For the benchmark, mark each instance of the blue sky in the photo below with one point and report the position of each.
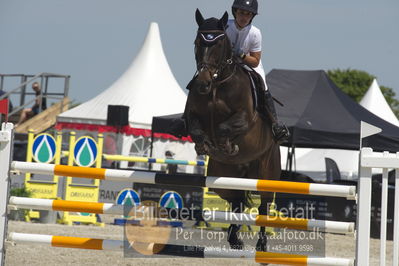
(95, 41)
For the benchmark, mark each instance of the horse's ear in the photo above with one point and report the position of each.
(224, 19)
(198, 17)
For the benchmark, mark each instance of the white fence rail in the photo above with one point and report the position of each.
(368, 160)
(386, 161)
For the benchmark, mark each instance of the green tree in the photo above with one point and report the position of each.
(355, 83)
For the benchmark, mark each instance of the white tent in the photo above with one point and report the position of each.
(148, 87)
(312, 161)
(375, 102)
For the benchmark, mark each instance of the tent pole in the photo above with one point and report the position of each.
(291, 158)
(290, 162)
(294, 158)
(151, 147)
(287, 163)
(119, 145)
(292, 154)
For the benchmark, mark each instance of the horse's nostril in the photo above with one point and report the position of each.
(204, 89)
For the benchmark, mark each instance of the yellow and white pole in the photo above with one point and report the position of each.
(210, 216)
(181, 251)
(200, 181)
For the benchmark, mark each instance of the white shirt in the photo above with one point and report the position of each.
(248, 39)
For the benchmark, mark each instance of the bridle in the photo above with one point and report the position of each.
(209, 38)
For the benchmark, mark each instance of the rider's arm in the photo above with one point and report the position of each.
(252, 59)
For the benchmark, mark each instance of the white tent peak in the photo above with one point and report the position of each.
(375, 102)
(148, 87)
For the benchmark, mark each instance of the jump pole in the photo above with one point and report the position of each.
(210, 216)
(176, 250)
(188, 180)
(136, 159)
(6, 142)
(152, 160)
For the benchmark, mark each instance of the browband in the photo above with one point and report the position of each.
(210, 37)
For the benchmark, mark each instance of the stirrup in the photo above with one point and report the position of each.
(280, 132)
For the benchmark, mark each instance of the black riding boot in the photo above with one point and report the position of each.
(280, 131)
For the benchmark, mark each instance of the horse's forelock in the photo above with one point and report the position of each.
(210, 24)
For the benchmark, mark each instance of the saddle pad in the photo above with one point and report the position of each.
(256, 83)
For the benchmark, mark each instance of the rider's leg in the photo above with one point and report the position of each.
(280, 131)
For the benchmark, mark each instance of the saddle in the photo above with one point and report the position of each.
(257, 85)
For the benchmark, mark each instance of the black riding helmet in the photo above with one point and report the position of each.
(248, 5)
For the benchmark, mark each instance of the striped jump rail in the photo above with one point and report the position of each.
(348, 192)
(136, 159)
(152, 160)
(211, 216)
(176, 250)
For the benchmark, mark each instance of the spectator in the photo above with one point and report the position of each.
(31, 112)
(170, 168)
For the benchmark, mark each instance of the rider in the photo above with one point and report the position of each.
(246, 40)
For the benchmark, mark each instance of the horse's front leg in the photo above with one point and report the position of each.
(229, 129)
(232, 233)
(198, 135)
(266, 200)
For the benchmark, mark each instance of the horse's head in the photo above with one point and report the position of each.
(212, 50)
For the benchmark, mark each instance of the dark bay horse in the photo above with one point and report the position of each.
(223, 122)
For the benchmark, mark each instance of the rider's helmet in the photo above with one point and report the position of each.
(248, 5)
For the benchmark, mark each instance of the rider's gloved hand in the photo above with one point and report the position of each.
(240, 54)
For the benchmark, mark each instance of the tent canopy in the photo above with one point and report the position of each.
(313, 160)
(160, 124)
(320, 115)
(148, 87)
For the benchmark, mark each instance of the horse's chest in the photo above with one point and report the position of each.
(216, 108)
(219, 106)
